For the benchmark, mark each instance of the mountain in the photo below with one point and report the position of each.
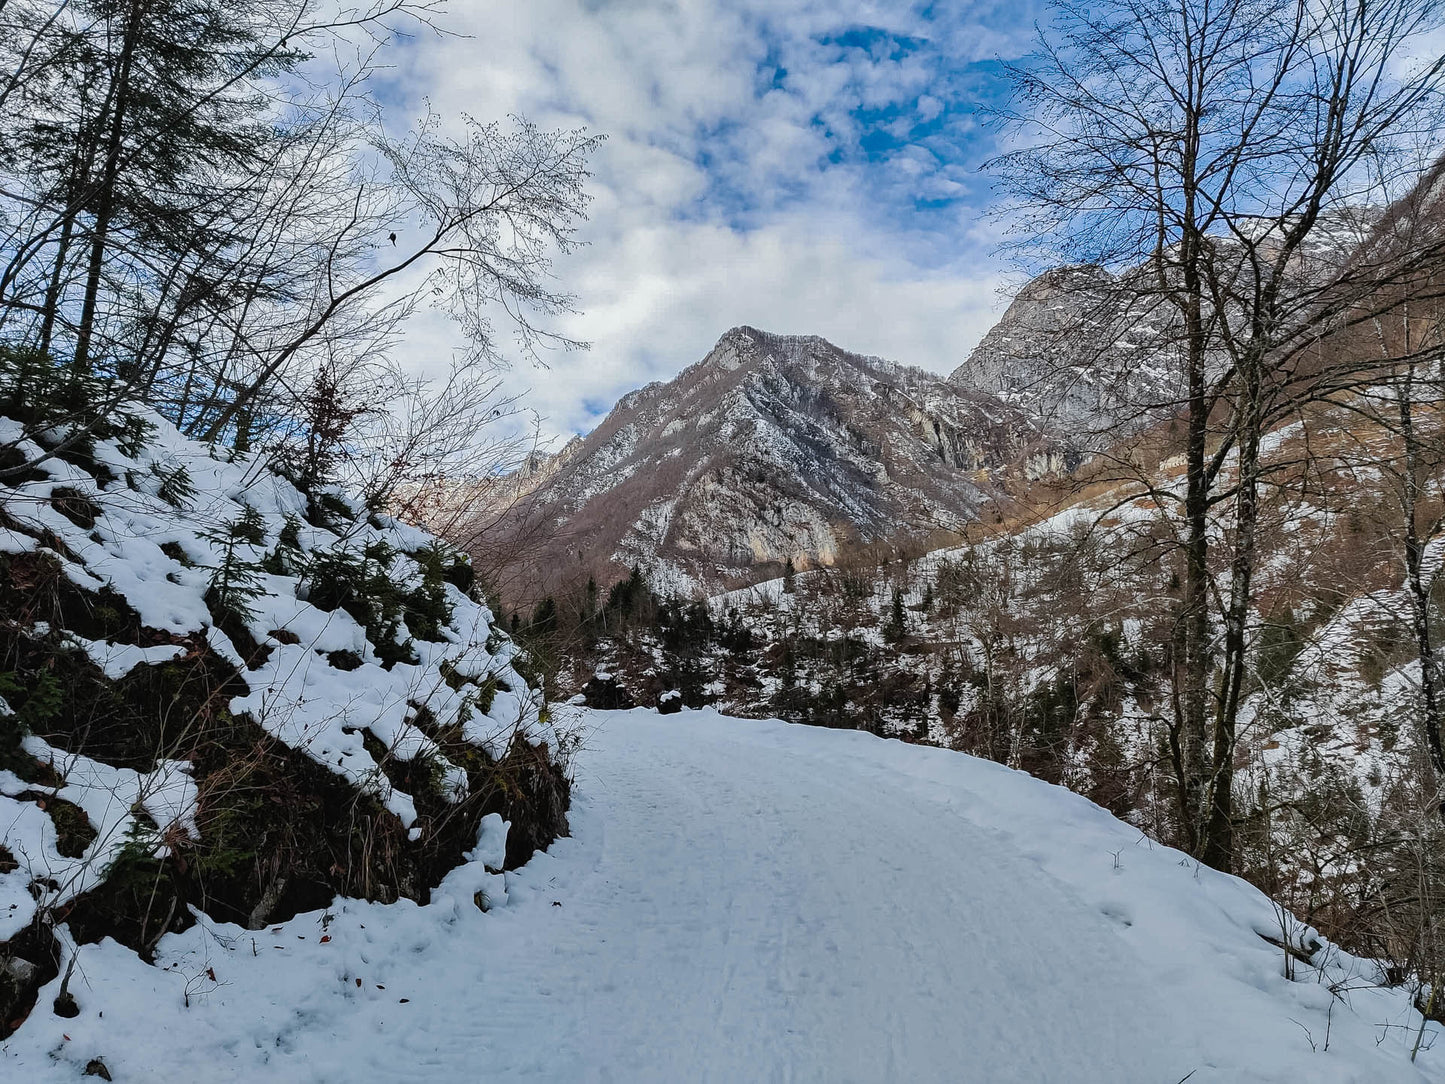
(1080, 352)
(771, 449)
(1090, 354)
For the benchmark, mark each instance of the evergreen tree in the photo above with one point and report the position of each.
(895, 629)
(544, 618)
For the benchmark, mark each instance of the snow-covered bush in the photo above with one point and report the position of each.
(224, 695)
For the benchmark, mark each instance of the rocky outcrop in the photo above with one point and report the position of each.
(1079, 350)
(771, 449)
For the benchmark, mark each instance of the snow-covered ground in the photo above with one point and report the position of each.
(757, 901)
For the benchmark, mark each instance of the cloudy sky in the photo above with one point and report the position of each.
(804, 166)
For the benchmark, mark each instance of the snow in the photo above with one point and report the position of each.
(295, 693)
(749, 900)
(109, 796)
(118, 660)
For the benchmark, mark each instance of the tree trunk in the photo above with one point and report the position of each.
(1419, 590)
(1217, 846)
(105, 208)
(1194, 615)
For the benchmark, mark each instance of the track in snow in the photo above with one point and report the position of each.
(749, 901)
(746, 916)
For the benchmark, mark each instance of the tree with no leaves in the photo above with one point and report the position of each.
(1226, 156)
(202, 208)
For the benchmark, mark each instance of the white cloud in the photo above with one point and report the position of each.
(711, 208)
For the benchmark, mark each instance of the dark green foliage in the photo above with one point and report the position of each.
(250, 527)
(684, 627)
(630, 599)
(1280, 642)
(285, 559)
(689, 679)
(895, 629)
(950, 693)
(35, 700)
(362, 586)
(176, 487)
(236, 581)
(290, 536)
(36, 392)
(460, 573)
(329, 511)
(133, 435)
(735, 635)
(544, 618)
(334, 578)
(427, 608)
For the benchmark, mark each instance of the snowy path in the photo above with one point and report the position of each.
(749, 917)
(749, 901)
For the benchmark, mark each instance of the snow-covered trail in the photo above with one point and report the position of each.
(755, 901)
(748, 916)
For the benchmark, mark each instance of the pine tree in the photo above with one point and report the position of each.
(895, 630)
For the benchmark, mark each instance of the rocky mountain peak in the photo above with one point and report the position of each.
(771, 448)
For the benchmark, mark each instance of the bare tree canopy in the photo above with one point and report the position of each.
(1230, 159)
(201, 206)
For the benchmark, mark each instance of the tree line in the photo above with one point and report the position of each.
(203, 208)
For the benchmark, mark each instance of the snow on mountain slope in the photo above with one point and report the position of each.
(758, 901)
(771, 448)
(1092, 354)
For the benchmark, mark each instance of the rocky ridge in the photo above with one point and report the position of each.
(772, 449)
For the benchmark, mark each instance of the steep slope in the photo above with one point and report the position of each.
(756, 901)
(226, 697)
(1092, 354)
(1076, 352)
(772, 448)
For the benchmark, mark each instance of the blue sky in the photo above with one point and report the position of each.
(798, 165)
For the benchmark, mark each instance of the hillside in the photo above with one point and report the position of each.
(227, 699)
(1044, 644)
(1079, 354)
(748, 899)
(771, 449)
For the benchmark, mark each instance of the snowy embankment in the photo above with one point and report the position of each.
(228, 694)
(757, 901)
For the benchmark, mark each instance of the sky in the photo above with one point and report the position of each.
(802, 166)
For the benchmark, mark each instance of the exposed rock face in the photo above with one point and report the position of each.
(772, 448)
(1079, 351)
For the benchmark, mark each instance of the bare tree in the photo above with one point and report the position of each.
(201, 208)
(1221, 153)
